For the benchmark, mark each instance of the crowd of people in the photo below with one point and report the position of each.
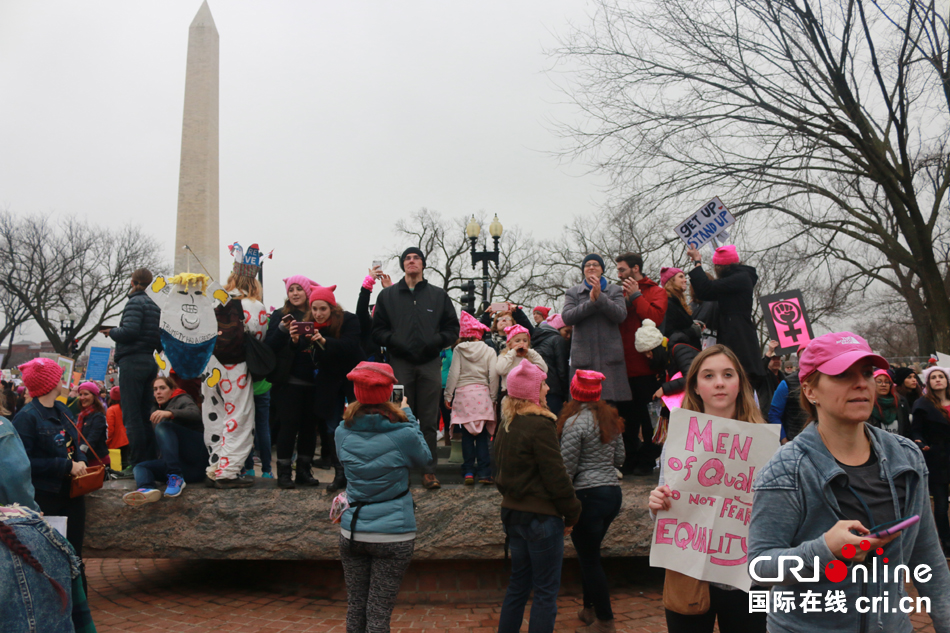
(553, 409)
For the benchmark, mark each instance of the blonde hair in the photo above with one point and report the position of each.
(746, 410)
(511, 407)
(677, 294)
(249, 287)
(190, 279)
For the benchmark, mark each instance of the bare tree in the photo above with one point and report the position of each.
(827, 121)
(52, 269)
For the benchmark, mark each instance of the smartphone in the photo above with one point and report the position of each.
(106, 327)
(304, 328)
(378, 264)
(399, 393)
(287, 318)
(498, 307)
(893, 527)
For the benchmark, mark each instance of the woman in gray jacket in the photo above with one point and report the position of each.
(591, 434)
(820, 499)
(596, 309)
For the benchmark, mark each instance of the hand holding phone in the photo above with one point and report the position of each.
(886, 529)
(304, 328)
(398, 395)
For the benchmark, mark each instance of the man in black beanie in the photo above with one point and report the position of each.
(415, 321)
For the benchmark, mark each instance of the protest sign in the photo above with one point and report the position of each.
(943, 359)
(710, 464)
(787, 320)
(98, 364)
(705, 225)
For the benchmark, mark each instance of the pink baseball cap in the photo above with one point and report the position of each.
(833, 353)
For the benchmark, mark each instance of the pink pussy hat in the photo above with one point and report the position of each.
(556, 321)
(301, 281)
(41, 375)
(726, 255)
(514, 330)
(834, 353)
(524, 381)
(668, 273)
(470, 327)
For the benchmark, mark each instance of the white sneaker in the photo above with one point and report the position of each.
(142, 496)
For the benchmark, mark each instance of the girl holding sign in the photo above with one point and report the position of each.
(716, 384)
(824, 500)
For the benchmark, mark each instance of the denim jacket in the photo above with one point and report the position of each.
(45, 434)
(28, 602)
(16, 484)
(794, 505)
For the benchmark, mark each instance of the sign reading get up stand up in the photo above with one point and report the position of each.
(710, 466)
(706, 224)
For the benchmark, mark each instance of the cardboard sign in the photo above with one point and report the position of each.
(98, 365)
(188, 323)
(787, 320)
(710, 464)
(705, 225)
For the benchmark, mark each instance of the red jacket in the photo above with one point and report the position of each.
(651, 304)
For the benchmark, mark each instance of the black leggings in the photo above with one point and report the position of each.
(297, 422)
(732, 609)
(941, 506)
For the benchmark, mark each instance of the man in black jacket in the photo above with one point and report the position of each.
(415, 321)
(136, 338)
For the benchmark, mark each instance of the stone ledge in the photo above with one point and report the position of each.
(266, 523)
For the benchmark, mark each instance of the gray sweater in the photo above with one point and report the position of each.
(589, 462)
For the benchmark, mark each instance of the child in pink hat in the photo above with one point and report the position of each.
(517, 348)
(470, 391)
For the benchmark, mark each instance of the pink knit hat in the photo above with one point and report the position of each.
(323, 293)
(668, 273)
(470, 327)
(372, 382)
(114, 393)
(514, 330)
(586, 385)
(924, 378)
(41, 375)
(556, 321)
(726, 255)
(524, 381)
(91, 387)
(301, 281)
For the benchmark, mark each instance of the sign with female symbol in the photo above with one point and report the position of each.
(787, 320)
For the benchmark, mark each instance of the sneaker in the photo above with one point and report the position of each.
(175, 485)
(486, 480)
(469, 480)
(142, 496)
(429, 482)
(267, 476)
(248, 473)
(237, 482)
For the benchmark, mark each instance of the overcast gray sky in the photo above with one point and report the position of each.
(336, 119)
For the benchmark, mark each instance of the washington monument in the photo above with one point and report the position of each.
(198, 176)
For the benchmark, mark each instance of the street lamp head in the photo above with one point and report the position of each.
(473, 230)
(495, 228)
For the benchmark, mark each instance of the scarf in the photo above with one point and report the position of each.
(320, 326)
(603, 284)
(885, 411)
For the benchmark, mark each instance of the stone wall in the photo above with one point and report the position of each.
(264, 522)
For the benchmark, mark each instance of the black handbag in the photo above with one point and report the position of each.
(261, 359)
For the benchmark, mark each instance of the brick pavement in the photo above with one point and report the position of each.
(148, 595)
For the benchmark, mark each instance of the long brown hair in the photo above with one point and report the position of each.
(249, 287)
(746, 411)
(610, 423)
(932, 395)
(96, 402)
(675, 293)
(389, 410)
(336, 319)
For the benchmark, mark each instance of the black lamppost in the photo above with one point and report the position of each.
(473, 230)
(67, 329)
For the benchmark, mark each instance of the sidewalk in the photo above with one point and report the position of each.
(247, 596)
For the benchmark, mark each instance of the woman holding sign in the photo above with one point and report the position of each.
(826, 499)
(716, 384)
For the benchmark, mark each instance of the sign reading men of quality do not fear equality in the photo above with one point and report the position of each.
(707, 224)
(710, 465)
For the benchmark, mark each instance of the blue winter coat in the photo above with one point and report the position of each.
(377, 455)
(16, 483)
(47, 435)
(138, 331)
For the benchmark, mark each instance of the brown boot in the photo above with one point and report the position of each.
(599, 626)
(586, 615)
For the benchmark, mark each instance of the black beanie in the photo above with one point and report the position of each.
(597, 258)
(409, 251)
(901, 374)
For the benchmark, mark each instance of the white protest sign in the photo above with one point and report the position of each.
(942, 359)
(703, 226)
(710, 466)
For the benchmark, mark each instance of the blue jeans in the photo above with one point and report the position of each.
(261, 433)
(537, 550)
(475, 447)
(136, 374)
(600, 507)
(183, 453)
